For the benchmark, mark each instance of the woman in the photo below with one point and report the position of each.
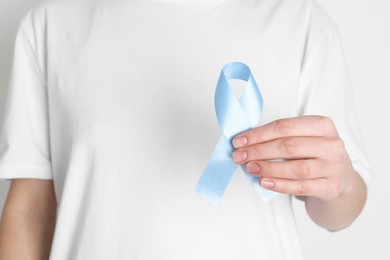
(109, 122)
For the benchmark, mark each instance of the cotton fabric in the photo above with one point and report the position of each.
(113, 101)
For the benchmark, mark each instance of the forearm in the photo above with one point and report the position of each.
(342, 211)
(27, 226)
(23, 237)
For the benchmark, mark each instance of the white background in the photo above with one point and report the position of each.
(365, 30)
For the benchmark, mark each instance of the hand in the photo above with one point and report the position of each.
(314, 161)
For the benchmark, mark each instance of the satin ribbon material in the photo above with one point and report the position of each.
(233, 117)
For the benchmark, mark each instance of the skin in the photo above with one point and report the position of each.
(312, 164)
(28, 220)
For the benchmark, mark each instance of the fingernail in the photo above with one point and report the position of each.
(253, 167)
(240, 141)
(239, 156)
(267, 183)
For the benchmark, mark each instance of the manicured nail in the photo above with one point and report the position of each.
(253, 167)
(240, 141)
(267, 183)
(240, 156)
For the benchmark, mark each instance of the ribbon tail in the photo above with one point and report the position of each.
(219, 170)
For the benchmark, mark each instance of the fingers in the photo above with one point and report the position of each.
(306, 177)
(293, 169)
(313, 156)
(320, 188)
(288, 127)
(290, 148)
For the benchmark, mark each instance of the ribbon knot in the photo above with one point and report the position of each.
(233, 118)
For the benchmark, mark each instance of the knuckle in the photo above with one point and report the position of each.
(303, 170)
(302, 188)
(256, 135)
(338, 147)
(289, 146)
(258, 152)
(283, 126)
(339, 144)
(328, 125)
(326, 121)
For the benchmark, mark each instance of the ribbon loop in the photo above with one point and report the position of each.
(233, 118)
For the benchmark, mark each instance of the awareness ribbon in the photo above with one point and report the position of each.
(233, 117)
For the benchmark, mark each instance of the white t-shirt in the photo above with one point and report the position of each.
(114, 101)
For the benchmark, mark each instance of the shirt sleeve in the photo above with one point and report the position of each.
(24, 133)
(326, 89)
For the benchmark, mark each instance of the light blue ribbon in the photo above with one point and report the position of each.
(233, 117)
